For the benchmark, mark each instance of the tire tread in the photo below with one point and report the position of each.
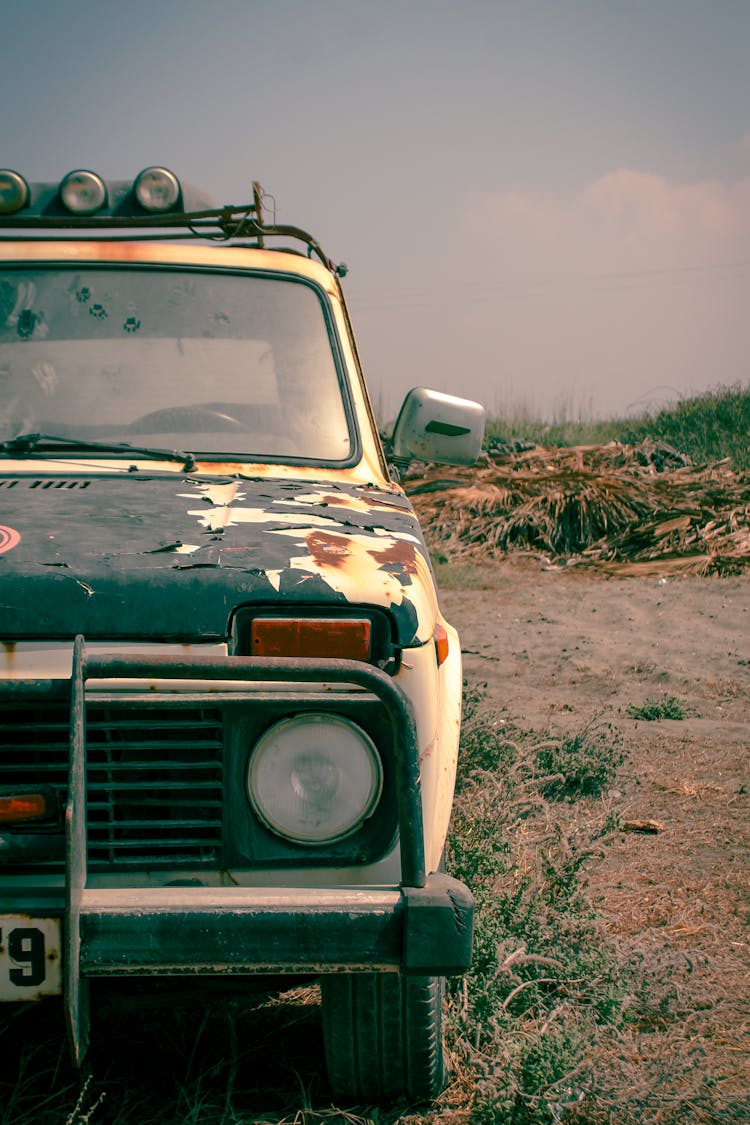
(383, 1036)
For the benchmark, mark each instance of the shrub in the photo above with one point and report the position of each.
(653, 710)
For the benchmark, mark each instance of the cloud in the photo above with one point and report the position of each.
(655, 207)
(626, 220)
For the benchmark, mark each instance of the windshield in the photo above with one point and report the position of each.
(215, 363)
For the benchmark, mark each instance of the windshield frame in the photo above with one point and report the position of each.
(343, 375)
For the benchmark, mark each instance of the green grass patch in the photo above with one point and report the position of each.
(709, 427)
(706, 427)
(654, 709)
(562, 434)
(581, 765)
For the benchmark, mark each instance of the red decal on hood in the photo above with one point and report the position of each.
(9, 538)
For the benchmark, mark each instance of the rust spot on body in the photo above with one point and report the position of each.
(328, 550)
(427, 752)
(337, 500)
(399, 553)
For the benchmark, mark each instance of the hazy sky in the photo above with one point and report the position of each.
(543, 203)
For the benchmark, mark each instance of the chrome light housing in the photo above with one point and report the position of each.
(156, 189)
(83, 192)
(314, 778)
(14, 192)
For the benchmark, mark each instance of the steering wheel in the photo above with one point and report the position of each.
(196, 418)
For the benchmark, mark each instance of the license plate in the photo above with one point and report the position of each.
(29, 957)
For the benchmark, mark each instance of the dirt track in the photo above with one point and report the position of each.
(559, 648)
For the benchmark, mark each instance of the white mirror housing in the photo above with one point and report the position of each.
(433, 426)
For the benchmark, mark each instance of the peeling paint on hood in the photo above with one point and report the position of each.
(171, 557)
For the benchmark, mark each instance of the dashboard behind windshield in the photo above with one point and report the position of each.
(230, 364)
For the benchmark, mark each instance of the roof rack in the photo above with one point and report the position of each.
(82, 201)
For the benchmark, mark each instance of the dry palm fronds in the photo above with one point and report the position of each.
(610, 505)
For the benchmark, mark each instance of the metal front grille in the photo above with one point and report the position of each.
(154, 777)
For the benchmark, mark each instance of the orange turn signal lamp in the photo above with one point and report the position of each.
(343, 638)
(19, 806)
(442, 646)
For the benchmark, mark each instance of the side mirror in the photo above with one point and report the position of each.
(432, 426)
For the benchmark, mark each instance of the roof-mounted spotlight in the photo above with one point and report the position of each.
(14, 192)
(83, 192)
(156, 189)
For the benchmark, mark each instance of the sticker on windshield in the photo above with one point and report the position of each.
(9, 538)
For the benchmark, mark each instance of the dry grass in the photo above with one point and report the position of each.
(610, 506)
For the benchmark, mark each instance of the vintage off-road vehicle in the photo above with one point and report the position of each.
(229, 703)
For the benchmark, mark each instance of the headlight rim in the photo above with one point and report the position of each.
(368, 808)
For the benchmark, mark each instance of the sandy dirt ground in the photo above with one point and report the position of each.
(560, 648)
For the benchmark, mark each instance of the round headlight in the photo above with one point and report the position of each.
(14, 192)
(83, 192)
(314, 778)
(156, 189)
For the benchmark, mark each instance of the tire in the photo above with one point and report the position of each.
(383, 1036)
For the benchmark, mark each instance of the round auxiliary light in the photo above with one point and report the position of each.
(156, 189)
(14, 192)
(314, 778)
(83, 192)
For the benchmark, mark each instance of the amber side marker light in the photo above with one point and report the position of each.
(442, 647)
(16, 808)
(321, 637)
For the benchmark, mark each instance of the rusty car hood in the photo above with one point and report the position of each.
(170, 557)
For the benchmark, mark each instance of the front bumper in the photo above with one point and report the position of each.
(209, 930)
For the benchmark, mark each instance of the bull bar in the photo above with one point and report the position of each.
(423, 926)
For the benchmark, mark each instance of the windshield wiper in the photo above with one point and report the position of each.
(31, 442)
